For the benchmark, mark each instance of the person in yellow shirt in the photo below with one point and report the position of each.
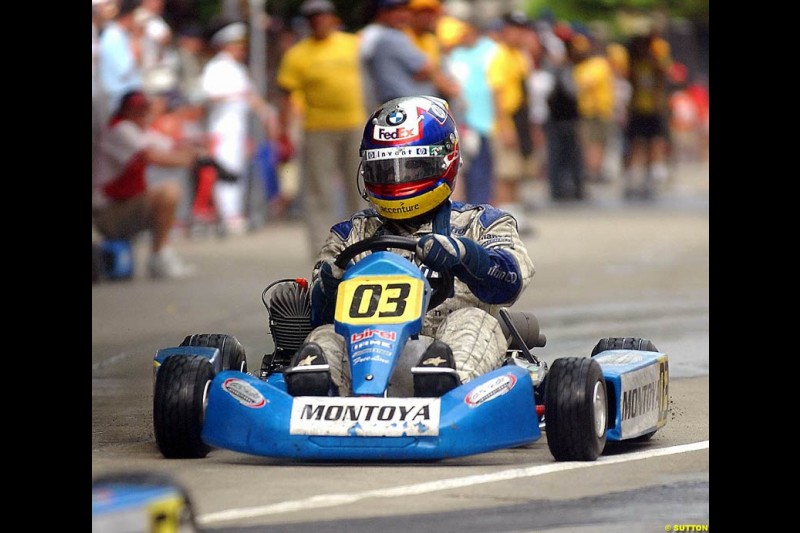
(594, 80)
(647, 131)
(323, 70)
(511, 146)
(425, 15)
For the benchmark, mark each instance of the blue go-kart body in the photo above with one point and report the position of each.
(247, 414)
(381, 302)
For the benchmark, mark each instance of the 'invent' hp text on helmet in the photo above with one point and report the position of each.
(410, 156)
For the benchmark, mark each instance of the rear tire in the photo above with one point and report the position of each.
(179, 406)
(623, 343)
(576, 409)
(232, 351)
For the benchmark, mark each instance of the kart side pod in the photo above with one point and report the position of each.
(637, 384)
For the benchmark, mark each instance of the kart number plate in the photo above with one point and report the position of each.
(379, 300)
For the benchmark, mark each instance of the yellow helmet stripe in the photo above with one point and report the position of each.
(410, 208)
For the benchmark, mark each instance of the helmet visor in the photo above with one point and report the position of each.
(385, 166)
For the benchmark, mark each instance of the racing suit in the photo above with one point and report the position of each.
(466, 321)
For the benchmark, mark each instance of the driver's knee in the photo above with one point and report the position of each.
(477, 340)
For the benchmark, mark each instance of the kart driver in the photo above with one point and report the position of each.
(410, 158)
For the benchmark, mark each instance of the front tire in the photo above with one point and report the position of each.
(179, 402)
(576, 409)
(232, 351)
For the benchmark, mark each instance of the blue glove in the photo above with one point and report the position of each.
(330, 277)
(492, 275)
(440, 252)
(323, 293)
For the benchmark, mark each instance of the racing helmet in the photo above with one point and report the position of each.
(410, 156)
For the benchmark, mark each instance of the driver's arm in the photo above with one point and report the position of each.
(325, 278)
(496, 267)
(492, 260)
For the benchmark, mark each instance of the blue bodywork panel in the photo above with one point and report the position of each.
(212, 354)
(637, 384)
(373, 349)
(494, 411)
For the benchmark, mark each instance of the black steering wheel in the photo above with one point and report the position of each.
(442, 286)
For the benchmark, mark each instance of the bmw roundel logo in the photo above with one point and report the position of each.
(396, 117)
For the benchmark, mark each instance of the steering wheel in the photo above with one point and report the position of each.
(442, 286)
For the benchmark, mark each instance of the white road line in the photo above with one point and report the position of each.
(332, 500)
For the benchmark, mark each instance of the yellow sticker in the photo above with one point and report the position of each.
(402, 209)
(663, 391)
(379, 300)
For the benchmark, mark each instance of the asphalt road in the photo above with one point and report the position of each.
(604, 268)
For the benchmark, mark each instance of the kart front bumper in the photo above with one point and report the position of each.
(494, 411)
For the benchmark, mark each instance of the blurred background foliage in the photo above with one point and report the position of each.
(356, 13)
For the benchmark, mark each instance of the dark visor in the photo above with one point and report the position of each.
(392, 170)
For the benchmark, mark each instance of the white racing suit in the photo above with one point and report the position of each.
(467, 321)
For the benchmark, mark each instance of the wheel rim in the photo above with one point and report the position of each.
(205, 396)
(600, 411)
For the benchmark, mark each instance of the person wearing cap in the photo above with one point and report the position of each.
(123, 204)
(392, 65)
(231, 96)
(322, 69)
(508, 73)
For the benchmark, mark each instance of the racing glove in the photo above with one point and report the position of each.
(330, 277)
(492, 275)
(323, 293)
(440, 252)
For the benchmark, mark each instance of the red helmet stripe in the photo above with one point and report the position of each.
(399, 191)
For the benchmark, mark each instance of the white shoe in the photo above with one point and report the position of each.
(166, 264)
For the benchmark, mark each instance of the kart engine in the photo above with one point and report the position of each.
(289, 309)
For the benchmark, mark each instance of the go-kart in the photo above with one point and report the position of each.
(204, 397)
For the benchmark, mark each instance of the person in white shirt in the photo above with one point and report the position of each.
(230, 95)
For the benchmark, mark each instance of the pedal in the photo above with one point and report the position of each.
(434, 381)
(308, 380)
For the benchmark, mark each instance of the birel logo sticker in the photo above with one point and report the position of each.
(490, 390)
(244, 393)
(367, 333)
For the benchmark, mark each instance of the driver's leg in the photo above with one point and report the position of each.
(333, 347)
(477, 341)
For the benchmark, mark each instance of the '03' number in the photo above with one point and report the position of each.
(371, 299)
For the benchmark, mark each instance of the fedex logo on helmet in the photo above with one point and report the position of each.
(400, 133)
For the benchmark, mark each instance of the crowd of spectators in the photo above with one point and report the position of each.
(534, 99)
